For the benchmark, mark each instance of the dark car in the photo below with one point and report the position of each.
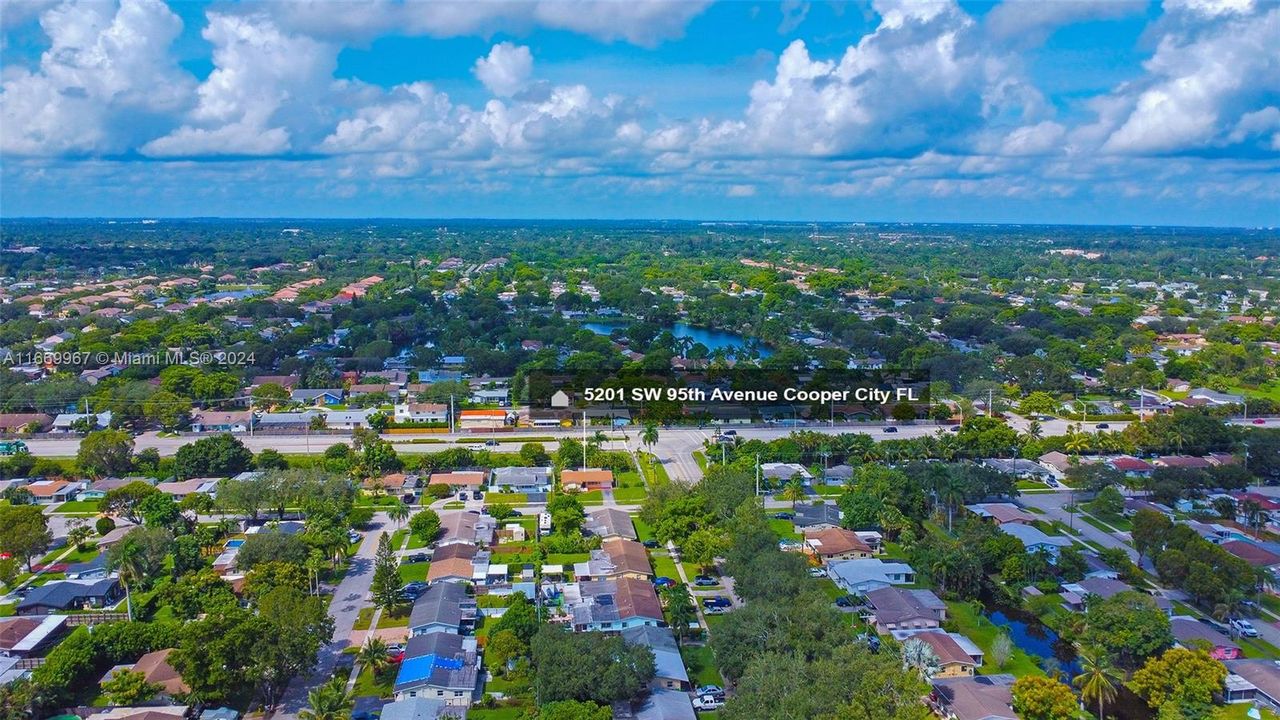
(418, 557)
(664, 582)
(717, 601)
(846, 601)
(1103, 426)
(784, 516)
(730, 433)
(705, 581)
(650, 543)
(891, 429)
(478, 495)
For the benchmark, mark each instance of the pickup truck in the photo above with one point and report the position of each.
(707, 702)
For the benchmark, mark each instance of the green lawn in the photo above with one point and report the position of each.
(508, 498)
(367, 685)
(701, 663)
(1240, 711)
(510, 712)
(962, 618)
(630, 495)
(414, 572)
(567, 558)
(664, 566)
(78, 507)
(784, 529)
(643, 531)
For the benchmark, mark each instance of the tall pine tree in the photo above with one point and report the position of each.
(386, 575)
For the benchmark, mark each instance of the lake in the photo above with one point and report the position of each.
(713, 339)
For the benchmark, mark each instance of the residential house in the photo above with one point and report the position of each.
(288, 382)
(1019, 467)
(609, 522)
(954, 658)
(659, 704)
(362, 389)
(1254, 554)
(1191, 633)
(835, 543)
(419, 708)
(179, 490)
(1253, 681)
(220, 421)
(1131, 466)
(1074, 595)
(894, 608)
(19, 422)
(155, 667)
(23, 637)
(348, 419)
(458, 480)
(612, 605)
(392, 484)
(91, 569)
(522, 479)
(62, 595)
(860, 577)
(783, 472)
(1189, 462)
(837, 475)
(422, 413)
(64, 422)
(444, 607)
(467, 527)
(495, 396)
(586, 480)
(144, 712)
(98, 489)
(317, 396)
(1001, 513)
(1057, 463)
(482, 419)
(628, 557)
(452, 563)
(439, 666)
(670, 672)
(1034, 540)
(52, 492)
(287, 421)
(816, 517)
(985, 697)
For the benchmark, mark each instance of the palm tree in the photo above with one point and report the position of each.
(399, 513)
(1253, 515)
(649, 438)
(952, 494)
(919, 655)
(330, 701)
(1097, 679)
(1077, 442)
(315, 564)
(373, 655)
(127, 562)
(1034, 430)
(794, 490)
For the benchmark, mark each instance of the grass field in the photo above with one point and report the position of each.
(664, 566)
(78, 507)
(701, 663)
(414, 572)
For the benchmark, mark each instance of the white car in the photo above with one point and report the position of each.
(707, 702)
(817, 572)
(476, 446)
(1244, 627)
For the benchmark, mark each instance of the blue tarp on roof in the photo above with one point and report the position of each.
(421, 667)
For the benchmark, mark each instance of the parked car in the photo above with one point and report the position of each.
(730, 433)
(1259, 421)
(784, 516)
(1104, 426)
(712, 690)
(1244, 627)
(891, 429)
(1216, 625)
(418, 557)
(415, 586)
(491, 443)
(1250, 607)
(705, 581)
(955, 428)
(717, 610)
(650, 543)
(846, 601)
(462, 496)
(664, 582)
(717, 601)
(479, 496)
(353, 536)
(707, 702)
(817, 572)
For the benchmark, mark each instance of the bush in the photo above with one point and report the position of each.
(360, 517)
(104, 525)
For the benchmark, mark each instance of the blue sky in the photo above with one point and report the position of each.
(1019, 111)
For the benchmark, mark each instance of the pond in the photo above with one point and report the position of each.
(1033, 637)
(712, 339)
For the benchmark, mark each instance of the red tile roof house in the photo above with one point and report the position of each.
(1183, 461)
(1131, 466)
(1256, 556)
(458, 480)
(1002, 513)
(836, 544)
(586, 480)
(18, 422)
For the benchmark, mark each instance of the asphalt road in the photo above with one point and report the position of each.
(350, 596)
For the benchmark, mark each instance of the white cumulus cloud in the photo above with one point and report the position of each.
(506, 69)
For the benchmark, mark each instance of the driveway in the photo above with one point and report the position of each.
(351, 595)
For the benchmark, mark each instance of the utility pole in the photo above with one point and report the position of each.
(1142, 398)
(251, 415)
(757, 473)
(990, 402)
(584, 439)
